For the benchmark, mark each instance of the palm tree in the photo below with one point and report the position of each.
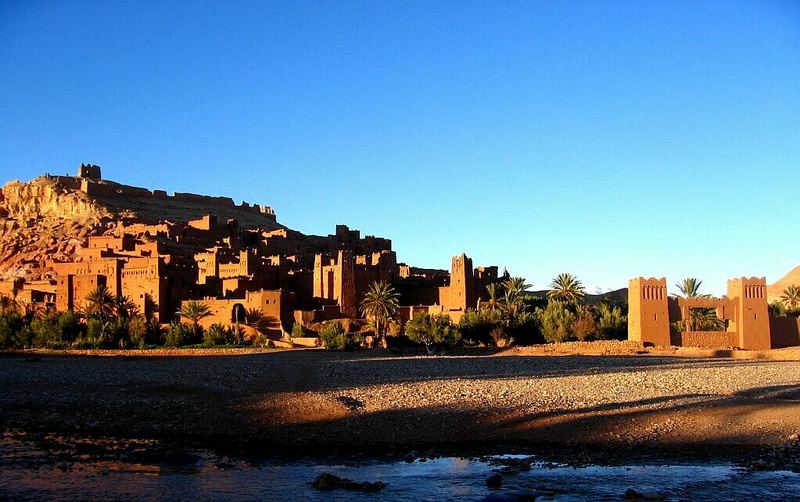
(513, 297)
(99, 304)
(33, 310)
(194, 311)
(791, 297)
(493, 303)
(380, 305)
(8, 305)
(125, 308)
(690, 288)
(701, 318)
(566, 288)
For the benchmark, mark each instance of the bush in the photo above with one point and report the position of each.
(94, 333)
(237, 336)
(116, 333)
(432, 330)
(523, 330)
(334, 337)
(612, 323)
(10, 326)
(299, 331)
(555, 321)
(46, 333)
(137, 331)
(585, 326)
(69, 325)
(476, 326)
(216, 334)
(24, 337)
(177, 334)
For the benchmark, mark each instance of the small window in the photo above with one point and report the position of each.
(655, 317)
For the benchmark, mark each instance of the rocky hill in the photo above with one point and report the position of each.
(50, 217)
(775, 290)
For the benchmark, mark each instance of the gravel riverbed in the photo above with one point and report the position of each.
(314, 399)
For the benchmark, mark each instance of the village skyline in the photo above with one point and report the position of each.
(609, 141)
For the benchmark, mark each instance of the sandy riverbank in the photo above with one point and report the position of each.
(312, 400)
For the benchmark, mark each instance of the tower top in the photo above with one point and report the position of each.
(89, 171)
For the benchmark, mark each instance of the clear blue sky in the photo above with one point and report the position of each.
(607, 139)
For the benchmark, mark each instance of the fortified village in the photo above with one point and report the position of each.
(62, 236)
(160, 250)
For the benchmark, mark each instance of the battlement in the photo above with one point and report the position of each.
(649, 288)
(89, 171)
(748, 287)
(460, 263)
(89, 181)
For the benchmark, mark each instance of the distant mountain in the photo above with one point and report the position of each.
(775, 290)
(617, 296)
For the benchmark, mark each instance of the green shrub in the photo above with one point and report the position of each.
(432, 330)
(524, 330)
(94, 332)
(116, 333)
(299, 331)
(137, 331)
(24, 337)
(476, 326)
(216, 334)
(46, 333)
(69, 325)
(555, 321)
(612, 323)
(177, 334)
(261, 341)
(334, 337)
(237, 336)
(10, 326)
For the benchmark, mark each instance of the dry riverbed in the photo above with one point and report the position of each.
(312, 400)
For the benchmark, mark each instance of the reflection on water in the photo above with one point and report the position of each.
(47, 467)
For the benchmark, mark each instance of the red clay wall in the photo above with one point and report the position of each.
(784, 331)
(709, 339)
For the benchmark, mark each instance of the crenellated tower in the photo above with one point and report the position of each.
(752, 314)
(648, 311)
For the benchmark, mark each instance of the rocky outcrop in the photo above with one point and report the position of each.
(42, 220)
(44, 198)
(775, 290)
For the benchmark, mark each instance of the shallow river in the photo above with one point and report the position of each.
(29, 470)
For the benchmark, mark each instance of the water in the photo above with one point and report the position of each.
(32, 470)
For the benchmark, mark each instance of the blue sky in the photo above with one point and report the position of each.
(607, 139)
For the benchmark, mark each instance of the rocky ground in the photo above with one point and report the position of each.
(315, 400)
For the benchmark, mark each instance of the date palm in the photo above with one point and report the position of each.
(690, 288)
(566, 288)
(494, 302)
(380, 305)
(125, 308)
(701, 318)
(194, 311)
(791, 297)
(100, 304)
(512, 303)
(9, 305)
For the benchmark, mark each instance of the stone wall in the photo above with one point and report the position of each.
(706, 339)
(784, 331)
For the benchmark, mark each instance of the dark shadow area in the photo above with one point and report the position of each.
(241, 400)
